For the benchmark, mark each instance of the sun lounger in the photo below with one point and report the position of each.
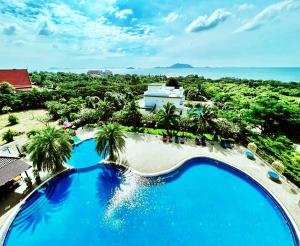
(182, 140)
(203, 140)
(223, 144)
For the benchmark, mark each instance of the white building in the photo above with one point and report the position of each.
(158, 95)
(99, 72)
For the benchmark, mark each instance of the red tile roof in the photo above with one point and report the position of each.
(18, 78)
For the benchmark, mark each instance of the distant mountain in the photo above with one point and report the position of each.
(178, 65)
(130, 68)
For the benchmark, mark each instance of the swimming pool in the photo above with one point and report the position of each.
(202, 203)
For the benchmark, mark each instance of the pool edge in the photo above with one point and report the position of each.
(5, 228)
(285, 213)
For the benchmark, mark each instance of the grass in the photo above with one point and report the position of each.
(28, 120)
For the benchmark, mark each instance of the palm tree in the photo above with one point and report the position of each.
(49, 149)
(205, 118)
(168, 117)
(111, 140)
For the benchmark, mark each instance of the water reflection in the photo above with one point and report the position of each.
(109, 181)
(42, 204)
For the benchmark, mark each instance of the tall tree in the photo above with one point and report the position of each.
(132, 115)
(110, 140)
(168, 117)
(49, 149)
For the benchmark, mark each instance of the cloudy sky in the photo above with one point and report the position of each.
(38, 34)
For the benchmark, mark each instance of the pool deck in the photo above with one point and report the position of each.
(147, 155)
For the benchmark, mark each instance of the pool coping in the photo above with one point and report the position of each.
(283, 210)
(5, 228)
(291, 222)
(276, 200)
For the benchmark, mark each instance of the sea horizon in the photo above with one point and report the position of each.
(284, 74)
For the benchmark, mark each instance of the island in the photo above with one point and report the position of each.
(178, 65)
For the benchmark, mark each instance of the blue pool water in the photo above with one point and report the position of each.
(202, 203)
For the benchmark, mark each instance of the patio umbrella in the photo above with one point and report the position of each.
(67, 124)
(252, 147)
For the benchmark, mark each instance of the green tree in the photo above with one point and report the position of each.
(132, 115)
(173, 82)
(110, 140)
(6, 88)
(106, 110)
(168, 117)
(204, 118)
(49, 149)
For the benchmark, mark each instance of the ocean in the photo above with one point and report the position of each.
(285, 74)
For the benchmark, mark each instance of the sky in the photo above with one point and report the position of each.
(38, 34)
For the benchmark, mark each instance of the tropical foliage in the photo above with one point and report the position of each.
(264, 112)
(49, 148)
(168, 117)
(110, 140)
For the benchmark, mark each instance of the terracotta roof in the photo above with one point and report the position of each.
(18, 78)
(11, 167)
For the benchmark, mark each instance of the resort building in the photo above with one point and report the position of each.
(99, 72)
(159, 95)
(18, 78)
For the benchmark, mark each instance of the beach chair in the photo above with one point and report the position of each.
(176, 139)
(203, 140)
(182, 140)
(197, 141)
(223, 144)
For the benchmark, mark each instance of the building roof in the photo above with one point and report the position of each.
(18, 78)
(164, 91)
(11, 167)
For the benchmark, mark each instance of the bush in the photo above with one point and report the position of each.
(8, 136)
(13, 119)
(32, 133)
(36, 175)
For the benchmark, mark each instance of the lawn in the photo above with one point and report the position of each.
(28, 120)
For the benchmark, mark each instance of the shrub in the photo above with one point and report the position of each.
(36, 175)
(13, 119)
(32, 133)
(8, 136)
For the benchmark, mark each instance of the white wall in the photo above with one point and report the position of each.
(161, 101)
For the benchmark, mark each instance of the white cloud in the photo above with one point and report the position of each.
(123, 14)
(47, 29)
(205, 22)
(269, 14)
(245, 6)
(10, 29)
(171, 17)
